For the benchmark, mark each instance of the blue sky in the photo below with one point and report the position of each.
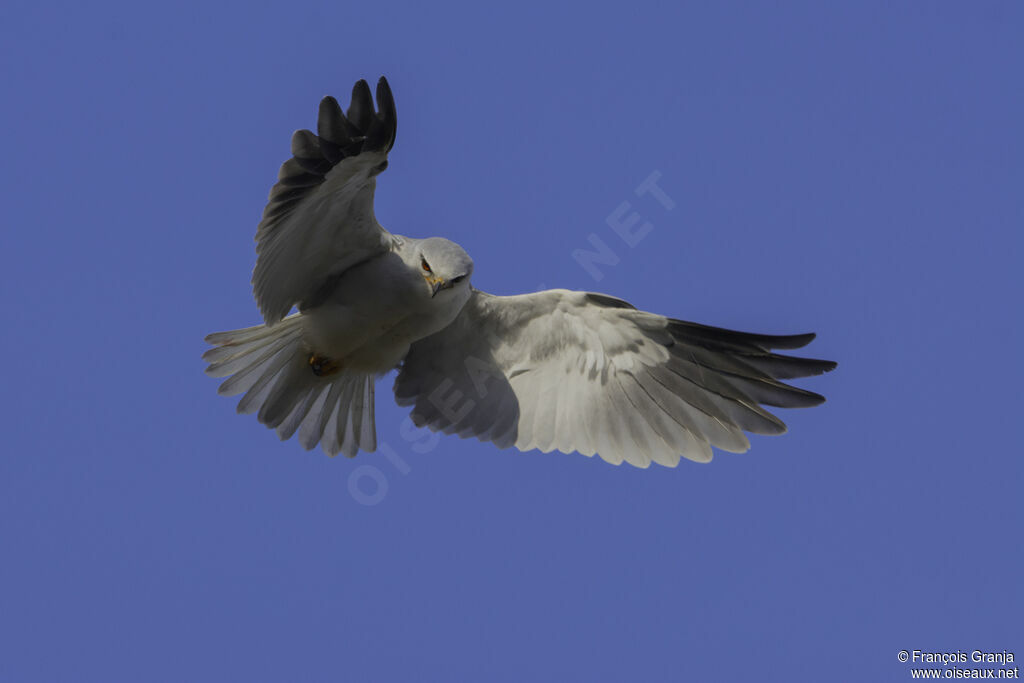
(853, 170)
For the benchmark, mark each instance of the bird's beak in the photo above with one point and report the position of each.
(439, 284)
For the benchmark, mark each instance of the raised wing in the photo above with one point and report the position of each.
(319, 220)
(575, 371)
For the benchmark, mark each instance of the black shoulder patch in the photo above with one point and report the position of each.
(607, 301)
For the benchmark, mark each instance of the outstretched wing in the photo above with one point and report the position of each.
(319, 220)
(575, 371)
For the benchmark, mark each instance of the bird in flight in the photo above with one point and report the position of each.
(552, 370)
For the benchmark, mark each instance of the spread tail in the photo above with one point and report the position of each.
(272, 366)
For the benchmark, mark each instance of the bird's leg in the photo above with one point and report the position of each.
(322, 366)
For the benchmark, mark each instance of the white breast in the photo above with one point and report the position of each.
(377, 310)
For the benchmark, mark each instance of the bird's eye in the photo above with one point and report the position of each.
(426, 266)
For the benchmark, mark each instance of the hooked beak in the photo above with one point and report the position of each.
(439, 284)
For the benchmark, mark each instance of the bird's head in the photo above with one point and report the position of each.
(444, 265)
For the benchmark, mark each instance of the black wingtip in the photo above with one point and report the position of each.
(329, 120)
(810, 400)
(384, 124)
(800, 340)
(386, 110)
(360, 111)
(382, 86)
(786, 341)
(779, 366)
(720, 335)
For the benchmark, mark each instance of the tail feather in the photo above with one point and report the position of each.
(270, 365)
(312, 428)
(255, 379)
(290, 424)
